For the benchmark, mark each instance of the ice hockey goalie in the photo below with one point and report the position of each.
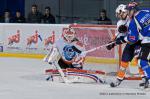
(67, 53)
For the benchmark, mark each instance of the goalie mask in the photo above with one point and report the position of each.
(69, 34)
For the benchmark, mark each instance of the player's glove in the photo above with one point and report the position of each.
(112, 45)
(122, 29)
(120, 40)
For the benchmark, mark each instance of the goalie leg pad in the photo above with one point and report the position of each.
(54, 55)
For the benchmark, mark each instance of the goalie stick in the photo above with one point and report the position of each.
(62, 74)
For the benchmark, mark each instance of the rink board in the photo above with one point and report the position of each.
(91, 35)
(18, 38)
(41, 56)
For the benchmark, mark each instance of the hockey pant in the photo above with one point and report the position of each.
(65, 65)
(127, 57)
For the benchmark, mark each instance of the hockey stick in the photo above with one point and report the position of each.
(96, 48)
(62, 74)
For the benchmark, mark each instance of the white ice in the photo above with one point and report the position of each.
(24, 79)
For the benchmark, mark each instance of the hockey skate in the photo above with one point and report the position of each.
(145, 83)
(116, 83)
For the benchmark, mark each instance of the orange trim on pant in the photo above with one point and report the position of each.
(135, 62)
(121, 73)
(124, 64)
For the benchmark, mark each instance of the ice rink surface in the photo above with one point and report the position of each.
(24, 79)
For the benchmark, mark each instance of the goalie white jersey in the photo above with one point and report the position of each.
(69, 50)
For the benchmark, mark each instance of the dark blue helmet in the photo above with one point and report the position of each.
(132, 5)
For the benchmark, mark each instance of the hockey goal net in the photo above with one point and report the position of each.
(102, 59)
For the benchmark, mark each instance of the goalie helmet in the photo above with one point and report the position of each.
(69, 34)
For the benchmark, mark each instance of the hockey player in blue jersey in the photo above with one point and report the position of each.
(129, 52)
(139, 29)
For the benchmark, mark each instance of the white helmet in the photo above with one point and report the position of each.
(121, 8)
(69, 34)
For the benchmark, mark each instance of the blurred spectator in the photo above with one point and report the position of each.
(103, 19)
(1, 18)
(34, 16)
(19, 18)
(6, 18)
(48, 17)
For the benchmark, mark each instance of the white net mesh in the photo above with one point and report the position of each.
(93, 36)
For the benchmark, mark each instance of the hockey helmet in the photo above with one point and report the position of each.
(121, 8)
(132, 5)
(69, 34)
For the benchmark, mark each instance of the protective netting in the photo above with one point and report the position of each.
(102, 59)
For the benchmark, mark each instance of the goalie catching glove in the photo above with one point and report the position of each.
(118, 41)
(78, 61)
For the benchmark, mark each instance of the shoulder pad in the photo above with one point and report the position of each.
(80, 46)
